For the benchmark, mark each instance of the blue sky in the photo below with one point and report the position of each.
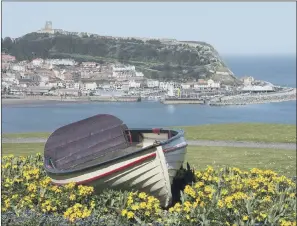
(233, 28)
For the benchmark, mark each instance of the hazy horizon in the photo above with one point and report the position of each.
(238, 28)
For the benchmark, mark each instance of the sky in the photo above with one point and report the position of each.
(233, 28)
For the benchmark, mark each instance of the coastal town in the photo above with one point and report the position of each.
(68, 80)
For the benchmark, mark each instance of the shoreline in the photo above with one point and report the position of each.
(53, 100)
(242, 99)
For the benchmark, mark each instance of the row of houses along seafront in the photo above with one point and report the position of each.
(69, 74)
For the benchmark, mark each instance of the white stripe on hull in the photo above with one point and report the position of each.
(174, 161)
(150, 176)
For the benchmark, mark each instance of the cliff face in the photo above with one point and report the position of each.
(163, 59)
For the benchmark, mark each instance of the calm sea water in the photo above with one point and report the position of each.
(278, 70)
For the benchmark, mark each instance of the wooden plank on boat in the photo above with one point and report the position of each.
(85, 140)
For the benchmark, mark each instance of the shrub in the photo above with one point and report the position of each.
(227, 196)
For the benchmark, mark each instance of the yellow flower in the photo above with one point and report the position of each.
(70, 185)
(220, 204)
(142, 195)
(130, 215)
(190, 191)
(124, 212)
(135, 207)
(142, 205)
(72, 197)
(245, 218)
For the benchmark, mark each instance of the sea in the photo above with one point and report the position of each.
(279, 70)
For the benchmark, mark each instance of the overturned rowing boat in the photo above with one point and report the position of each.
(102, 152)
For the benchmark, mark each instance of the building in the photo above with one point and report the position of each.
(17, 67)
(152, 83)
(89, 64)
(90, 86)
(7, 58)
(134, 84)
(67, 92)
(248, 80)
(257, 89)
(201, 84)
(212, 84)
(37, 62)
(65, 62)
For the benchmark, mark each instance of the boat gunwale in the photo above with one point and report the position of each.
(180, 133)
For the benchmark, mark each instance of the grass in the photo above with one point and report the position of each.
(24, 149)
(26, 135)
(254, 132)
(281, 161)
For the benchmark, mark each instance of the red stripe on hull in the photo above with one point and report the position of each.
(127, 165)
(115, 170)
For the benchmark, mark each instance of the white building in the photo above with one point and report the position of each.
(89, 64)
(18, 68)
(134, 84)
(212, 84)
(37, 62)
(222, 73)
(116, 68)
(258, 89)
(186, 85)
(139, 74)
(152, 83)
(90, 86)
(65, 62)
(77, 85)
(248, 80)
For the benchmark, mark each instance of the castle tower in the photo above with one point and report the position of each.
(48, 26)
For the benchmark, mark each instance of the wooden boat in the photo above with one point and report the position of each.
(102, 152)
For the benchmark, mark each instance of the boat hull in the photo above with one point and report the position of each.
(175, 153)
(145, 172)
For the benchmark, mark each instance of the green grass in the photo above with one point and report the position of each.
(22, 149)
(255, 132)
(281, 161)
(26, 135)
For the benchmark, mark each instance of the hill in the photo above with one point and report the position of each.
(160, 59)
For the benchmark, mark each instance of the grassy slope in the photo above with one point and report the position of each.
(236, 132)
(282, 161)
(26, 135)
(257, 132)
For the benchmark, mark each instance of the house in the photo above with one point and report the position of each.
(65, 62)
(7, 58)
(134, 84)
(222, 73)
(201, 84)
(90, 86)
(77, 85)
(152, 83)
(89, 64)
(38, 90)
(37, 62)
(247, 80)
(17, 67)
(68, 92)
(257, 89)
(212, 84)
(139, 74)
(120, 71)
(186, 85)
